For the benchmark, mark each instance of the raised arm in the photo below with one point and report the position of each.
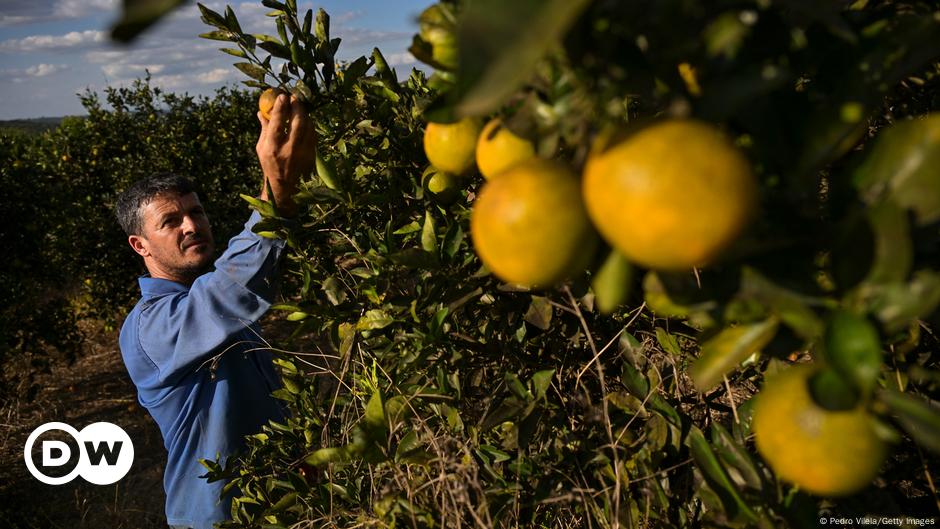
(286, 150)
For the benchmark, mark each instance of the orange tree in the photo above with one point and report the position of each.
(774, 165)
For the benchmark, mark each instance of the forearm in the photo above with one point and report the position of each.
(282, 191)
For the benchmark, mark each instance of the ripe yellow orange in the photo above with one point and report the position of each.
(266, 101)
(499, 149)
(529, 226)
(450, 146)
(830, 453)
(670, 196)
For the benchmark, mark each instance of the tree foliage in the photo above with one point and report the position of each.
(425, 392)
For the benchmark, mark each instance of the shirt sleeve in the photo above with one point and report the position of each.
(180, 331)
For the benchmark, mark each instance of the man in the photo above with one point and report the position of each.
(190, 343)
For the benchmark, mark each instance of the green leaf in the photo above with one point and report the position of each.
(225, 36)
(376, 424)
(354, 71)
(274, 4)
(291, 385)
(308, 22)
(515, 386)
(497, 455)
(288, 500)
(297, 316)
(639, 386)
(327, 173)
(725, 34)
(611, 284)
(234, 52)
(138, 15)
(429, 234)
(347, 336)
(452, 240)
(436, 325)
(328, 455)
(408, 444)
(790, 307)
(832, 391)
(918, 418)
(276, 49)
(853, 348)
(723, 352)
(382, 69)
(717, 477)
(411, 227)
(894, 252)
(509, 408)
(541, 380)
(659, 300)
(903, 166)
(415, 258)
(374, 319)
(735, 455)
(231, 21)
(251, 70)
(668, 342)
(334, 290)
(539, 313)
(397, 409)
(896, 305)
(497, 53)
(264, 207)
(322, 27)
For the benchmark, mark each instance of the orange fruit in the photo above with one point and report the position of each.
(266, 101)
(499, 149)
(830, 453)
(671, 196)
(529, 226)
(450, 146)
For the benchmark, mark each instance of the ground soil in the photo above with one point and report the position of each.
(94, 388)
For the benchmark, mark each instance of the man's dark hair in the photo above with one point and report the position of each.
(142, 192)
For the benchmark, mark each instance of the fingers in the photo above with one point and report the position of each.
(286, 138)
(280, 116)
(299, 120)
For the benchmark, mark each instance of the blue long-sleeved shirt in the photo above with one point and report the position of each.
(168, 342)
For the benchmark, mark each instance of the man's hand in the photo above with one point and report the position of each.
(286, 150)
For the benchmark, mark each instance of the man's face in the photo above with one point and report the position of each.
(176, 240)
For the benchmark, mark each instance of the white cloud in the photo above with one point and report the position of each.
(215, 76)
(43, 69)
(14, 20)
(50, 42)
(398, 59)
(349, 16)
(370, 36)
(80, 8)
(35, 11)
(105, 56)
(119, 70)
(37, 70)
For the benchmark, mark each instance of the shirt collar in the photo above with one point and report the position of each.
(152, 286)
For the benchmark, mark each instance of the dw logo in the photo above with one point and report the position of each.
(101, 453)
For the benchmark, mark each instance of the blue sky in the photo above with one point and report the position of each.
(51, 50)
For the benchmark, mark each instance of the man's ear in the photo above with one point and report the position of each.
(139, 245)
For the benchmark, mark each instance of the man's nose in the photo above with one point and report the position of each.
(189, 224)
